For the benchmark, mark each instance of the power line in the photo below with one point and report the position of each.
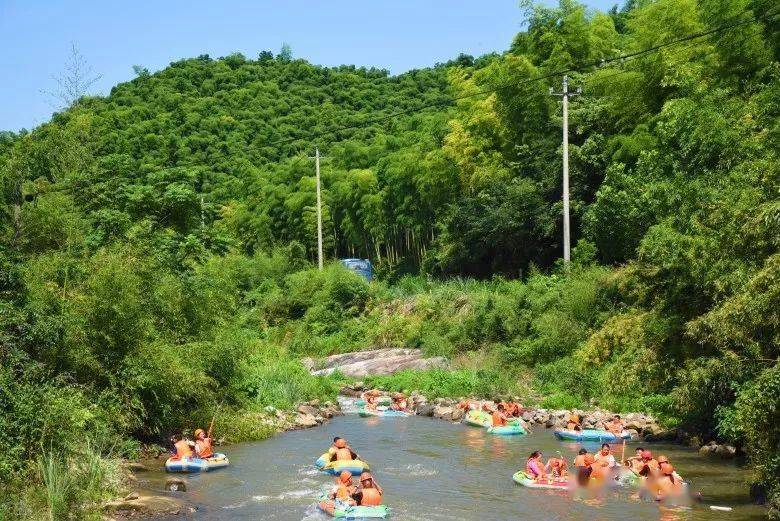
(580, 68)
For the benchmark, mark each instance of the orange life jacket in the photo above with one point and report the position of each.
(203, 448)
(499, 420)
(183, 449)
(343, 455)
(666, 485)
(371, 497)
(343, 492)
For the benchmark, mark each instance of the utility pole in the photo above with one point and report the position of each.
(566, 225)
(319, 209)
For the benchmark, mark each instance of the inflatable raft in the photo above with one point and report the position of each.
(217, 461)
(521, 478)
(508, 430)
(591, 435)
(355, 466)
(342, 510)
(322, 460)
(478, 419)
(383, 412)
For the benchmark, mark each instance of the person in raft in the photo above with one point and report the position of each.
(369, 494)
(573, 424)
(582, 464)
(604, 457)
(344, 489)
(399, 402)
(342, 452)
(616, 426)
(499, 417)
(649, 466)
(371, 398)
(334, 446)
(634, 463)
(557, 468)
(534, 468)
(182, 447)
(663, 460)
(668, 483)
(603, 464)
(203, 444)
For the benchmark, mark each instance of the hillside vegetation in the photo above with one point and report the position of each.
(156, 243)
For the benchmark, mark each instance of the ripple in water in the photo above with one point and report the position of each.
(292, 494)
(415, 469)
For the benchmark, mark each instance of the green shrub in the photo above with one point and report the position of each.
(282, 382)
(756, 411)
(485, 383)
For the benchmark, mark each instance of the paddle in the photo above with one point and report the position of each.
(623, 454)
(213, 418)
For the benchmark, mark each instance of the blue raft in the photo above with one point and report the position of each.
(217, 461)
(591, 435)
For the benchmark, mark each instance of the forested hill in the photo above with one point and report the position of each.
(237, 133)
(163, 234)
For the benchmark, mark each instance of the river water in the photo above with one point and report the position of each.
(434, 470)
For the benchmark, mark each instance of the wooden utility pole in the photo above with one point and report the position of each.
(566, 226)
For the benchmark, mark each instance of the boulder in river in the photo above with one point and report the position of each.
(457, 414)
(425, 409)
(305, 421)
(442, 412)
(175, 484)
(145, 505)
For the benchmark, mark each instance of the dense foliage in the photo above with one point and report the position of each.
(155, 244)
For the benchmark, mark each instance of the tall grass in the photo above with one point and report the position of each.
(59, 484)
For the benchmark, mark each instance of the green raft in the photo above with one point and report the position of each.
(341, 510)
(478, 419)
(508, 430)
(521, 478)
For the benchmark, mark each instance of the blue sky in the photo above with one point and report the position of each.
(113, 36)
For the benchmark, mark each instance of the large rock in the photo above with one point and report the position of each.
(305, 420)
(425, 409)
(374, 362)
(457, 414)
(308, 409)
(145, 505)
(445, 413)
(175, 484)
(726, 451)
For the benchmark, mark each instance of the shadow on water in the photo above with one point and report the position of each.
(434, 470)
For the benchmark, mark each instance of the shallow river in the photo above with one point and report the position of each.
(435, 470)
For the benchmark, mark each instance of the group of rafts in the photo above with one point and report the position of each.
(654, 477)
